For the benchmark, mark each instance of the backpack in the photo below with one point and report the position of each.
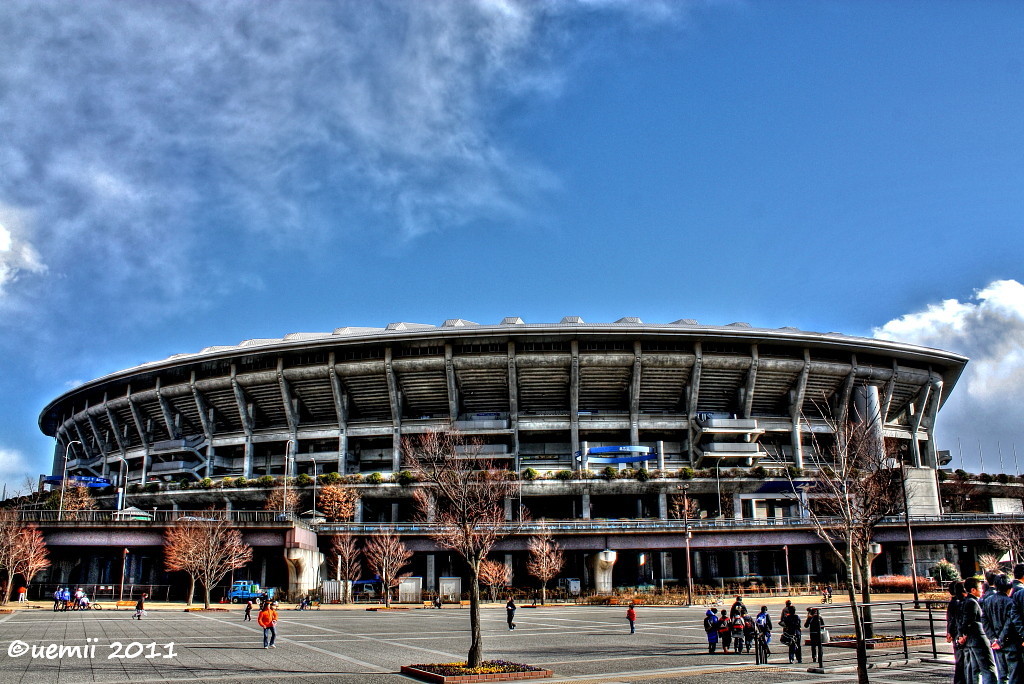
(761, 621)
(710, 624)
(737, 624)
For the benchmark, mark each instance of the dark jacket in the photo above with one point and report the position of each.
(814, 623)
(791, 623)
(737, 609)
(766, 625)
(971, 624)
(953, 616)
(1002, 622)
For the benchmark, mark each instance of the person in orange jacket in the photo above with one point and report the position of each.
(267, 619)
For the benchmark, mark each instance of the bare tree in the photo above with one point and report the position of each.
(1008, 538)
(494, 574)
(276, 496)
(958, 491)
(546, 559)
(347, 566)
(683, 507)
(853, 488)
(22, 550)
(337, 503)
(989, 562)
(207, 549)
(464, 495)
(387, 555)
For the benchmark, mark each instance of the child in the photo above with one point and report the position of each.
(749, 631)
(724, 631)
(140, 607)
(737, 632)
(711, 627)
(631, 616)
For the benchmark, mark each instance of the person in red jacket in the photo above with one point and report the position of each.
(267, 619)
(631, 616)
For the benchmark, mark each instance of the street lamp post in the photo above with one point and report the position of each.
(64, 479)
(314, 489)
(686, 528)
(910, 536)
(124, 564)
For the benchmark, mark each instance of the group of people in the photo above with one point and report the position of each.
(64, 600)
(985, 624)
(739, 630)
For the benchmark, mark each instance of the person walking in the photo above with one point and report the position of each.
(791, 635)
(140, 607)
(1004, 627)
(749, 631)
(22, 594)
(736, 627)
(267, 619)
(977, 648)
(58, 599)
(711, 628)
(510, 613)
(957, 596)
(248, 612)
(815, 625)
(631, 616)
(763, 624)
(724, 631)
(738, 608)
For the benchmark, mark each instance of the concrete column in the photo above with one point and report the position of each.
(867, 409)
(431, 572)
(601, 565)
(303, 570)
(247, 458)
(661, 455)
(508, 564)
(698, 567)
(737, 507)
(358, 513)
(342, 452)
(508, 508)
(585, 506)
(394, 512)
(667, 571)
(663, 505)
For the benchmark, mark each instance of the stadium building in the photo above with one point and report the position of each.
(709, 413)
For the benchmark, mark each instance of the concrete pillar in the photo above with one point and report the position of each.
(303, 570)
(867, 409)
(508, 508)
(698, 568)
(661, 455)
(585, 506)
(394, 512)
(358, 513)
(431, 572)
(247, 460)
(667, 572)
(508, 564)
(601, 564)
(663, 505)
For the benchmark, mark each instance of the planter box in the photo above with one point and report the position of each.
(382, 609)
(495, 677)
(876, 645)
(207, 610)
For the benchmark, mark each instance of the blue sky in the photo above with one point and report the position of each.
(177, 175)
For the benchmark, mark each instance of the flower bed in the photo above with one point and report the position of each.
(489, 671)
(206, 610)
(879, 642)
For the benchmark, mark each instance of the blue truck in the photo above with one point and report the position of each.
(244, 590)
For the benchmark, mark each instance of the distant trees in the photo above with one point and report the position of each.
(276, 500)
(206, 550)
(494, 574)
(76, 498)
(337, 503)
(464, 495)
(387, 556)
(1009, 538)
(22, 550)
(347, 566)
(545, 561)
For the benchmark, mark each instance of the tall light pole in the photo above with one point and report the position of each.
(287, 456)
(64, 479)
(789, 583)
(124, 564)
(910, 535)
(686, 529)
(314, 489)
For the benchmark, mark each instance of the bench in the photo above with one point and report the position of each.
(463, 604)
(124, 604)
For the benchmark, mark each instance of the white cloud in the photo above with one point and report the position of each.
(987, 405)
(17, 255)
(131, 130)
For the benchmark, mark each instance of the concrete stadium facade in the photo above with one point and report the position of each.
(547, 397)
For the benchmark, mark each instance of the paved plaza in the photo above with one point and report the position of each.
(578, 643)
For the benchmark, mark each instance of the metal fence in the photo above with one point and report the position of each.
(893, 631)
